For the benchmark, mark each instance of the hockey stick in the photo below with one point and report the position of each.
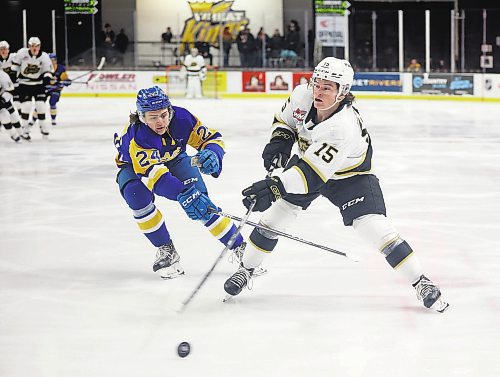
(98, 68)
(228, 246)
(286, 235)
(62, 84)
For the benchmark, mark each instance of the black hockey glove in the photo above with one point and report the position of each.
(279, 147)
(47, 80)
(264, 192)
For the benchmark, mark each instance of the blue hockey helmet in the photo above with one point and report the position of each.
(151, 99)
(53, 55)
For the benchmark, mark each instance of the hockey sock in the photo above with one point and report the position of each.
(148, 217)
(258, 247)
(53, 113)
(24, 122)
(222, 228)
(403, 259)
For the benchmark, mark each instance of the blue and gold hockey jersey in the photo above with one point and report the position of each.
(61, 76)
(149, 152)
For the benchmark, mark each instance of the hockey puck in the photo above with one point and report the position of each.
(183, 349)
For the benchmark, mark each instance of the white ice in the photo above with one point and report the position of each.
(78, 297)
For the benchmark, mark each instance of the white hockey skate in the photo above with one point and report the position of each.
(237, 256)
(14, 135)
(430, 295)
(43, 130)
(25, 132)
(167, 262)
(239, 280)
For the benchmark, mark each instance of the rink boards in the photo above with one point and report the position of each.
(241, 84)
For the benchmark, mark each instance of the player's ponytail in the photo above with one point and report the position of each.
(349, 99)
(133, 117)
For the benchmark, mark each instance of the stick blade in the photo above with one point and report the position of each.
(101, 63)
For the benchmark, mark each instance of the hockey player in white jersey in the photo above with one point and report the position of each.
(195, 72)
(34, 73)
(9, 117)
(333, 160)
(6, 58)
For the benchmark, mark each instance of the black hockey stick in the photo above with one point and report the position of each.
(62, 84)
(286, 235)
(228, 246)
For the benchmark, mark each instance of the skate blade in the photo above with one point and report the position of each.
(171, 276)
(440, 306)
(172, 272)
(259, 271)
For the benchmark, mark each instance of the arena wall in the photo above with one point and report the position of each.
(251, 84)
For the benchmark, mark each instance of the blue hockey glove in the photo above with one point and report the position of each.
(264, 192)
(208, 161)
(196, 204)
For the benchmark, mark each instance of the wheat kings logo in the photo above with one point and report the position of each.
(208, 19)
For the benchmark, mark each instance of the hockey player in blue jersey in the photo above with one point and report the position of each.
(60, 81)
(153, 161)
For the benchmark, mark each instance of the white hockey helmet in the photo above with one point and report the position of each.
(34, 41)
(336, 70)
(4, 44)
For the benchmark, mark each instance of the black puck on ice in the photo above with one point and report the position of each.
(183, 349)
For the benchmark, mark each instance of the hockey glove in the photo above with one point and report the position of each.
(279, 147)
(47, 80)
(264, 192)
(196, 204)
(207, 161)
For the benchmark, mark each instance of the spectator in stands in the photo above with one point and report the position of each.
(276, 43)
(121, 45)
(108, 36)
(167, 36)
(227, 40)
(439, 66)
(204, 50)
(261, 45)
(414, 66)
(246, 47)
(292, 39)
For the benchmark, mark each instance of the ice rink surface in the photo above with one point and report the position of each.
(78, 297)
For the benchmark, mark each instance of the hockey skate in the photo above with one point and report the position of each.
(26, 136)
(167, 262)
(430, 295)
(25, 132)
(43, 130)
(237, 256)
(239, 280)
(14, 135)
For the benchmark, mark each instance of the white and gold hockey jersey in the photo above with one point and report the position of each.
(6, 86)
(6, 64)
(336, 148)
(32, 69)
